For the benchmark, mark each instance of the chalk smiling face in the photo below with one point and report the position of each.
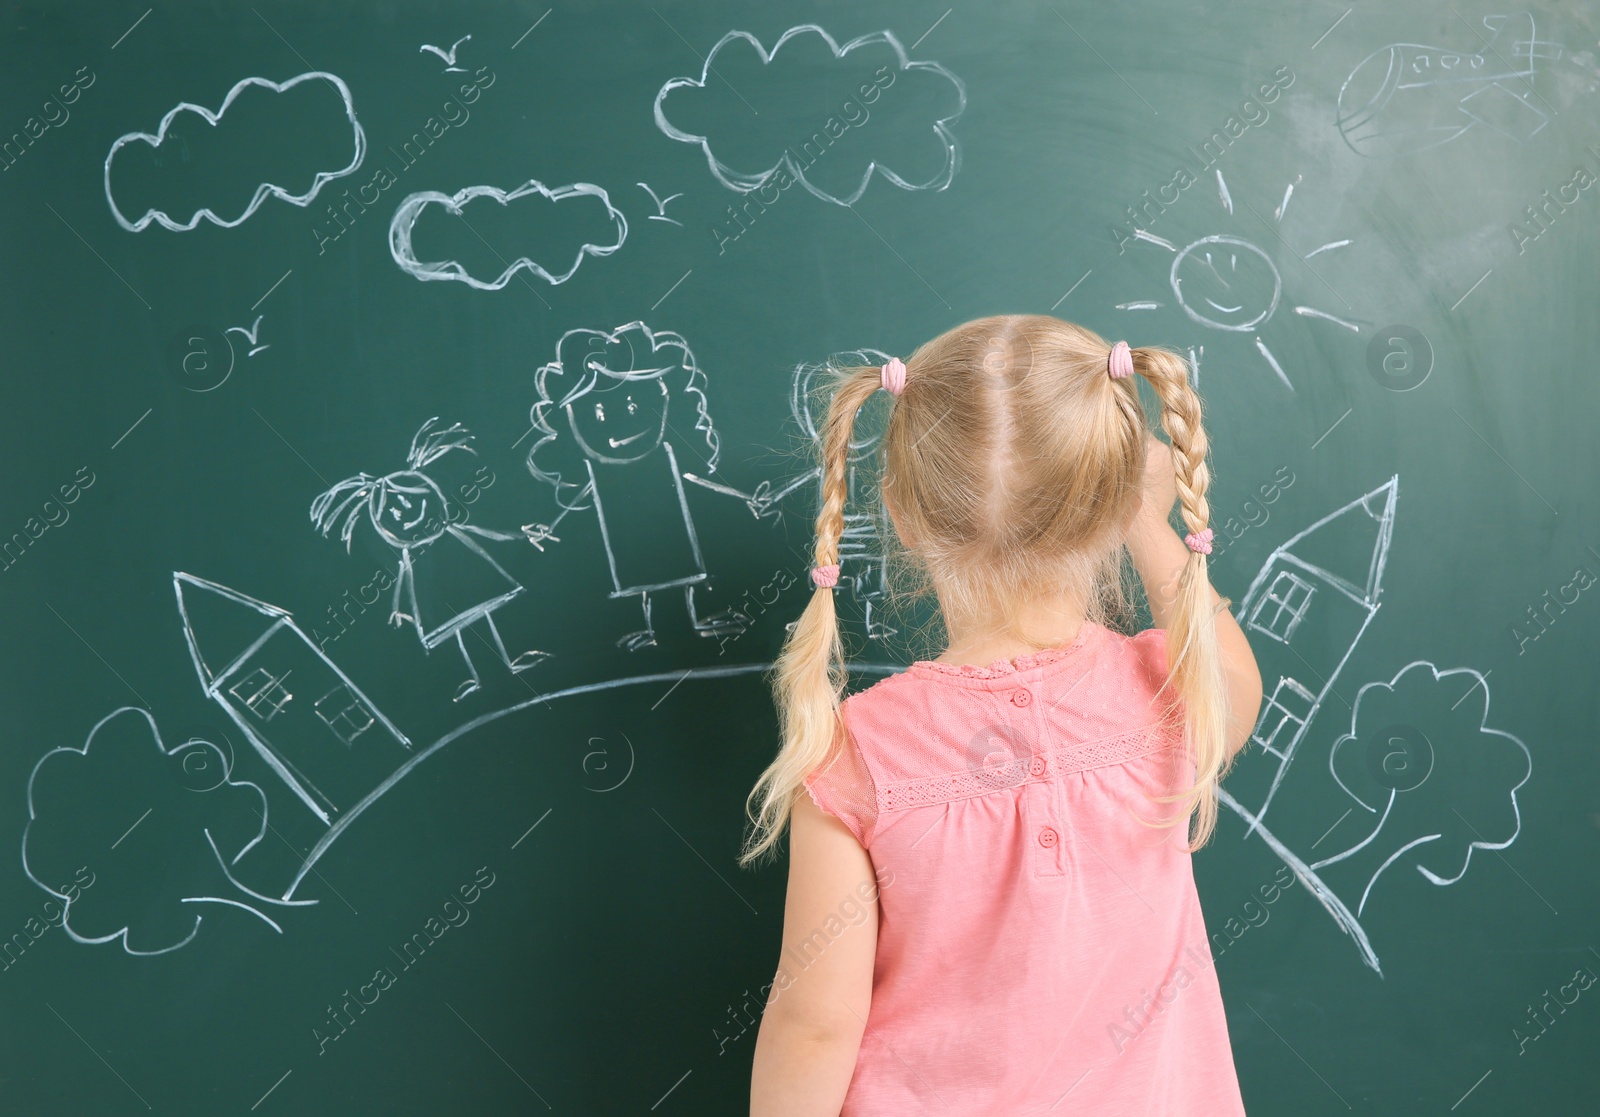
(1226, 283)
(620, 420)
(408, 509)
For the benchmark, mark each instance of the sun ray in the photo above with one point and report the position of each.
(1222, 189)
(1140, 234)
(1312, 312)
(1283, 206)
(1273, 361)
(1139, 306)
(1324, 248)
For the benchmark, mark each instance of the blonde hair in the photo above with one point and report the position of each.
(1012, 462)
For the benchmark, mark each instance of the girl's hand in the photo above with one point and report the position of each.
(1159, 486)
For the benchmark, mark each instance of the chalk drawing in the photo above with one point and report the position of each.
(668, 677)
(251, 336)
(291, 701)
(1249, 296)
(604, 407)
(263, 191)
(34, 831)
(1388, 781)
(1418, 751)
(866, 526)
(1419, 817)
(1408, 97)
(413, 206)
(447, 56)
(1292, 586)
(1225, 282)
(786, 164)
(409, 512)
(661, 204)
(78, 800)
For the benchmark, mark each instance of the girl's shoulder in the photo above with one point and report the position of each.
(1149, 650)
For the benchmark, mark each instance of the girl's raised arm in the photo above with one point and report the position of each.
(1159, 555)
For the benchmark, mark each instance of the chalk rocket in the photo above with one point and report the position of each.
(1409, 97)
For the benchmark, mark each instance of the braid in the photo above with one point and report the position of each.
(808, 677)
(835, 451)
(1180, 417)
(1194, 660)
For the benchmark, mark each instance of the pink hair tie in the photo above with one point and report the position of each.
(894, 377)
(1120, 362)
(825, 577)
(1199, 541)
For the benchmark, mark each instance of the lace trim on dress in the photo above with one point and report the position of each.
(1077, 757)
(1002, 668)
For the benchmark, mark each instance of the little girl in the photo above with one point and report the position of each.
(987, 912)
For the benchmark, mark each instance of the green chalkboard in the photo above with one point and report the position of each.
(405, 489)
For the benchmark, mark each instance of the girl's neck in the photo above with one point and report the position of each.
(1044, 622)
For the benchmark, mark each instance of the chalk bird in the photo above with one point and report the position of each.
(250, 335)
(448, 56)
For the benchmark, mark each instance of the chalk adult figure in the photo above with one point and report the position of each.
(410, 512)
(606, 406)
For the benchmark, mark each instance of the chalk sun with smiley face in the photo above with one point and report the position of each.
(1226, 282)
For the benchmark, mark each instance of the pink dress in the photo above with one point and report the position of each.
(1039, 950)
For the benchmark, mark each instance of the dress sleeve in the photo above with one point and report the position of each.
(843, 786)
(1150, 653)
(1151, 648)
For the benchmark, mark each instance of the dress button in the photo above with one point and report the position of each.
(1021, 697)
(1037, 766)
(1047, 837)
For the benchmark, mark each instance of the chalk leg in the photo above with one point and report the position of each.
(646, 636)
(527, 659)
(472, 683)
(725, 623)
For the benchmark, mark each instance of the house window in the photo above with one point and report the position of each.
(1282, 718)
(262, 693)
(1279, 613)
(344, 713)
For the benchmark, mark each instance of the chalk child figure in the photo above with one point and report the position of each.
(411, 513)
(604, 409)
(862, 538)
(861, 541)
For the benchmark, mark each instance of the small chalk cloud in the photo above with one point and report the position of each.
(282, 127)
(785, 142)
(577, 197)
